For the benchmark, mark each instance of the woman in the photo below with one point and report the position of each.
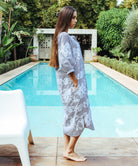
(67, 59)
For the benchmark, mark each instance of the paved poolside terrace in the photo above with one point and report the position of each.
(103, 151)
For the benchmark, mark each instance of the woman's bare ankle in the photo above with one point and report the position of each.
(66, 152)
(69, 151)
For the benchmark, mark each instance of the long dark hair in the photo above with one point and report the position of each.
(63, 23)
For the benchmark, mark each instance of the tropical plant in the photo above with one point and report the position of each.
(30, 51)
(136, 59)
(30, 41)
(3, 5)
(130, 34)
(8, 6)
(96, 49)
(14, 4)
(126, 55)
(7, 43)
(116, 51)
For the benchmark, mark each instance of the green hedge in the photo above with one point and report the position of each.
(130, 70)
(4, 67)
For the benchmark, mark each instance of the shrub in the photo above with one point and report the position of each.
(111, 63)
(7, 67)
(130, 34)
(16, 64)
(2, 68)
(123, 67)
(107, 60)
(13, 64)
(114, 64)
(118, 68)
(110, 27)
(130, 70)
(135, 73)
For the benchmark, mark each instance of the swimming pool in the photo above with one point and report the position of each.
(114, 108)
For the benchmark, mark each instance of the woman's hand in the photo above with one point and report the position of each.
(76, 84)
(74, 79)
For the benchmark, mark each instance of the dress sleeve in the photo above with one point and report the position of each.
(65, 56)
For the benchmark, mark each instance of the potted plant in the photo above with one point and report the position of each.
(96, 50)
(30, 52)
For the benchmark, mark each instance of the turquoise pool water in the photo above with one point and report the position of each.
(114, 108)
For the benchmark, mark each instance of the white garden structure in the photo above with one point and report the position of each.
(43, 50)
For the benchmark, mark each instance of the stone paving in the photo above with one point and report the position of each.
(47, 151)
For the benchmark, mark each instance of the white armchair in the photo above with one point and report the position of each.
(14, 126)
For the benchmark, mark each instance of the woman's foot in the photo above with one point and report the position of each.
(74, 156)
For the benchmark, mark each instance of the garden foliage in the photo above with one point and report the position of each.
(130, 34)
(7, 43)
(50, 17)
(110, 27)
(130, 70)
(4, 67)
(42, 13)
(129, 3)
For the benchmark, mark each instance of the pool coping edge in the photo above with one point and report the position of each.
(124, 80)
(15, 72)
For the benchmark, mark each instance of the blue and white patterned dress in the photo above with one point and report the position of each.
(77, 114)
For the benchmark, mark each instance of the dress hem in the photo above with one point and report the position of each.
(74, 135)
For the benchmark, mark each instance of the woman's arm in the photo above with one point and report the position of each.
(74, 79)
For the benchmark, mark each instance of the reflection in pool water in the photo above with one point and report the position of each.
(114, 108)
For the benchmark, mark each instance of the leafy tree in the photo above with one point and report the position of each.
(129, 3)
(87, 11)
(33, 18)
(110, 27)
(130, 34)
(49, 21)
(62, 3)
